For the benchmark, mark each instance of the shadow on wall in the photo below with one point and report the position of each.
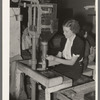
(81, 18)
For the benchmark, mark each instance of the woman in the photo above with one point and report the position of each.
(71, 52)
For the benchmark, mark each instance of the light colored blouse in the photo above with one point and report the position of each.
(67, 49)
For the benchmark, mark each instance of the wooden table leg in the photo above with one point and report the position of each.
(19, 84)
(15, 76)
(12, 78)
(18, 79)
(47, 94)
(33, 90)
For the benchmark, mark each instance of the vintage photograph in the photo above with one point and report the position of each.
(52, 50)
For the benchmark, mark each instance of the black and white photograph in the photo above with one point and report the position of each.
(52, 50)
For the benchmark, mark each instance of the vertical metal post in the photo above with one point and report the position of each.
(29, 16)
(33, 92)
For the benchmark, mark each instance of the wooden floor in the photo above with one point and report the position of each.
(41, 96)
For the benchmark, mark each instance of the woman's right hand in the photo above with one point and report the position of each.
(59, 54)
(50, 58)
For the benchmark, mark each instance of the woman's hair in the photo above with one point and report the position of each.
(73, 24)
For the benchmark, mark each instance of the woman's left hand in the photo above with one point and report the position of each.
(50, 58)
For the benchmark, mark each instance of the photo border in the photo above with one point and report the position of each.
(98, 49)
(6, 2)
(1, 50)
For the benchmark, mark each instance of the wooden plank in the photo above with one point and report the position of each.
(33, 90)
(47, 94)
(33, 84)
(87, 87)
(36, 76)
(62, 97)
(50, 73)
(47, 5)
(12, 77)
(88, 72)
(79, 90)
(66, 83)
(18, 83)
(16, 57)
(26, 62)
(55, 81)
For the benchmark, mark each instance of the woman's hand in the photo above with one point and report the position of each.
(50, 58)
(59, 54)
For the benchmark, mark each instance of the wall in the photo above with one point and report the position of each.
(14, 32)
(78, 8)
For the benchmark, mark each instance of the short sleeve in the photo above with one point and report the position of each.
(78, 47)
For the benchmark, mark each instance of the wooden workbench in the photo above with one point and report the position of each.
(51, 80)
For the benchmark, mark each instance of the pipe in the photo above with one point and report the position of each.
(44, 47)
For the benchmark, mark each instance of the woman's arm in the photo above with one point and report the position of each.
(63, 61)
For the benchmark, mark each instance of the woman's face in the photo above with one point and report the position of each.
(67, 32)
